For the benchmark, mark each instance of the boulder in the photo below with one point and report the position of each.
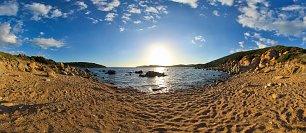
(255, 62)
(153, 74)
(271, 53)
(21, 67)
(32, 66)
(50, 73)
(139, 72)
(111, 72)
(62, 66)
(64, 72)
(245, 61)
(263, 63)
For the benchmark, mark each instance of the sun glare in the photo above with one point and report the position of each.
(160, 56)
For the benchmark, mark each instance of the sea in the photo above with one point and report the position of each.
(177, 78)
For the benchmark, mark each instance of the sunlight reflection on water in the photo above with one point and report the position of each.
(177, 78)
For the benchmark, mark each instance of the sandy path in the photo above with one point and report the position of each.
(29, 103)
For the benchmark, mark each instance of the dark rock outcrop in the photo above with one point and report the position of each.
(139, 72)
(152, 74)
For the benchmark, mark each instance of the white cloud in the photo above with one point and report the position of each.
(95, 21)
(137, 22)
(18, 27)
(9, 8)
(192, 3)
(198, 39)
(81, 5)
(40, 10)
(162, 9)
(126, 17)
(46, 43)
(87, 12)
(265, 40)
(223, 2)
(110, 17)
(227, 2)
(259, 40)
(121, 29)
(152, 27)
(151, 10)
(261, 45)
(216, 13)
(133, 9)
(293, 7)
(241, 44)
(257, 15)
(103, 5)
(56, 13)
(148, 18)
(247, 34)
(7, 38)
(240, 49)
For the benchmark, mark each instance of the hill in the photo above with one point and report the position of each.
(84, 65)
(293, 52)
(43, 60)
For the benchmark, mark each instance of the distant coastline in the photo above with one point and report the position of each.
(84, 65)
(180, 65)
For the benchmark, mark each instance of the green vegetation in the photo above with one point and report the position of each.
(293, 53)
(84, 65)
(8, 56)
(43, 60)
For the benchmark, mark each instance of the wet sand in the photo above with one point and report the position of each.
(248, 102)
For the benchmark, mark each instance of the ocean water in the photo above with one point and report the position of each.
(177, 78)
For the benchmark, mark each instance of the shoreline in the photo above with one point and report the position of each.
(246, 102)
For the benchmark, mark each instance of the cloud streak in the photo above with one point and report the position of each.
(46, 43)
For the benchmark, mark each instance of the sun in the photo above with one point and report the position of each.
(160, 56)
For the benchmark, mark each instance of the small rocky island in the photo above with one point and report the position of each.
(152, 74)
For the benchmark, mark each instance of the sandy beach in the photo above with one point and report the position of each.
(248, 102)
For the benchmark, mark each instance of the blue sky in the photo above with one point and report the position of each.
(126, 32)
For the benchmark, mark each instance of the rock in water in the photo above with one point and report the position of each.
(139, 72)
(153, 74)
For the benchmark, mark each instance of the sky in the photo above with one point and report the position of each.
(142, 32)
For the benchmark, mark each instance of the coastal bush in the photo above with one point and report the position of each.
(8, 56)
(43, 60)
